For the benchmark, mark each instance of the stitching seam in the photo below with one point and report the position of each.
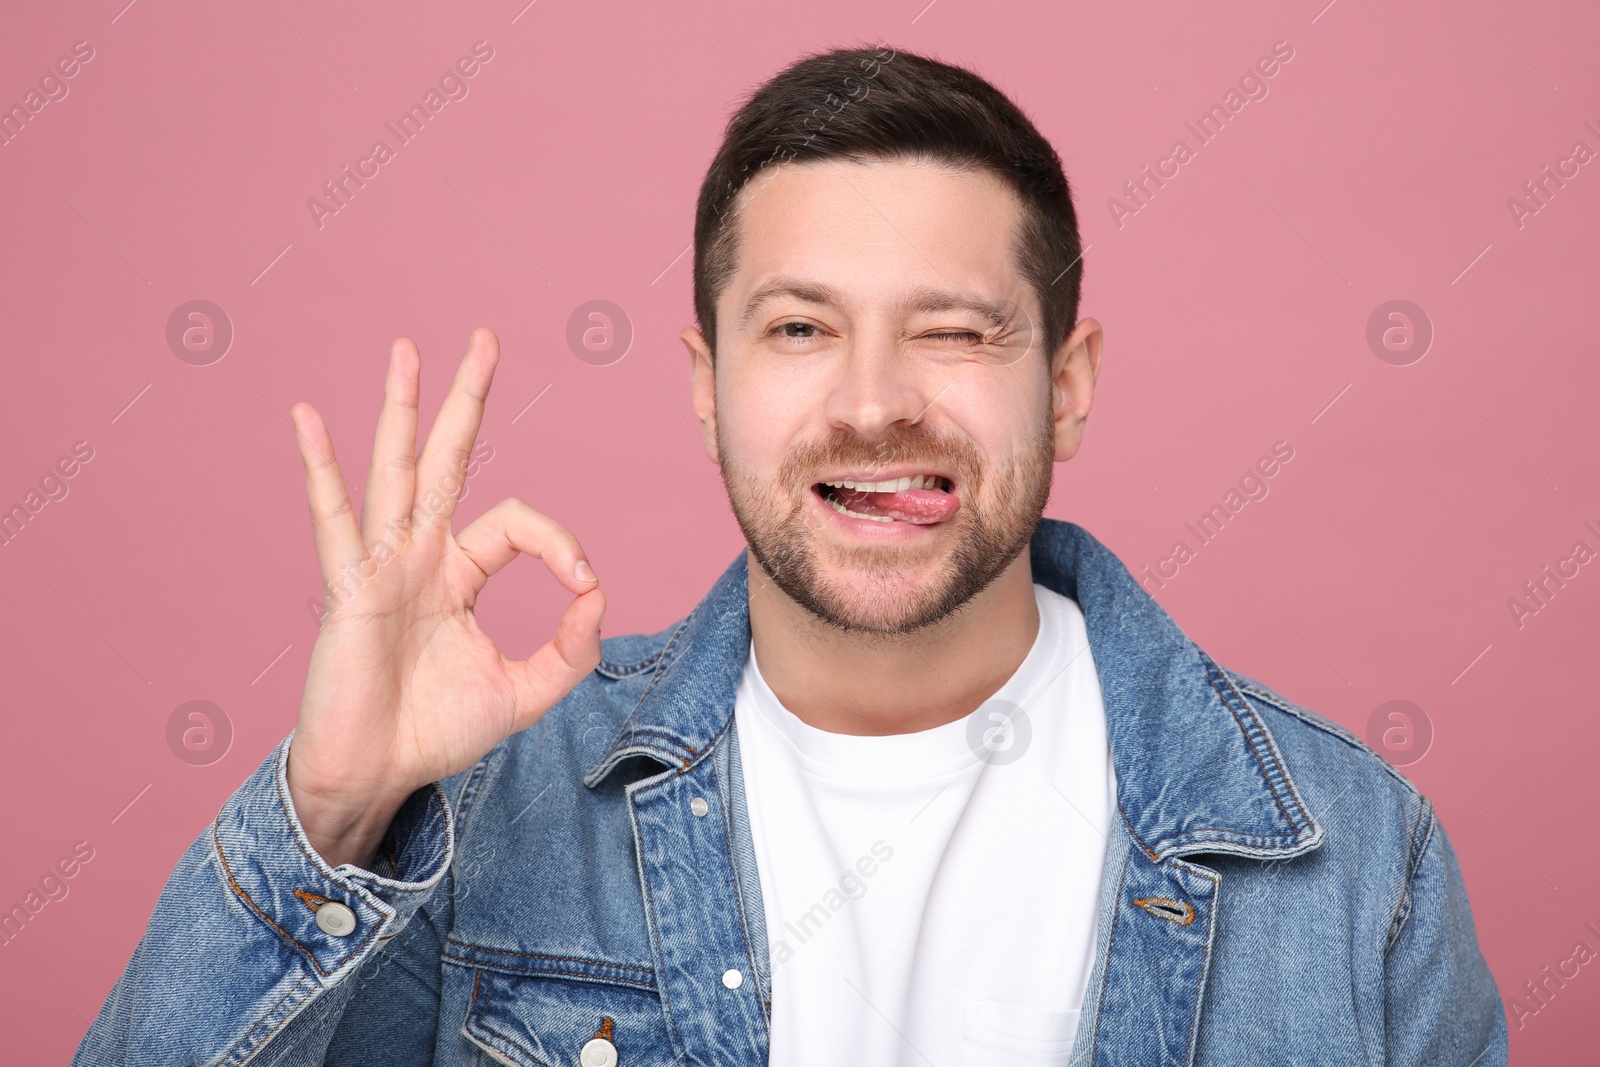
(486, 1028)
(618, 670)
(655, 732)
(1327, 726)
(1135, 834)
(655, 923)
(551, 974)
(733, 873)
(1266, 775)
(540, 956)
(249, 1047)
(228, 873)
(1205, 956)
(1111, 946)
(661, 664)
(1402, 910)
(372, 928)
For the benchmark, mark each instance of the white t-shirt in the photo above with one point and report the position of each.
(931, 897)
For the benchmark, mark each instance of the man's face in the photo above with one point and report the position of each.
(880, 409)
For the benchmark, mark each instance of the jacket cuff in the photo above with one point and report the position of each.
(264, 857)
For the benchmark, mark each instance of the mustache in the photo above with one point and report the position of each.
(904, 445)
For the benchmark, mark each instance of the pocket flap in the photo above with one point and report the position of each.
(545, 1021)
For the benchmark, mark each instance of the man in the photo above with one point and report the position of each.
(924, 779)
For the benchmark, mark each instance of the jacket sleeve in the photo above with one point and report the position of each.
(1441, 1005)
(234, 967)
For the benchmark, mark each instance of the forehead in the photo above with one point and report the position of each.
(876, 228)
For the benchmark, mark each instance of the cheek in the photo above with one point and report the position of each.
(1002, 411)
(759, 422)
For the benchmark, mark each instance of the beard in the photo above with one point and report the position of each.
(873, 589)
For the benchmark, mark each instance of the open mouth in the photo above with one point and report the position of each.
(920, 499)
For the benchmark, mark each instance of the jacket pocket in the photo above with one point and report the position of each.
(996, 1034)
(547, 1020)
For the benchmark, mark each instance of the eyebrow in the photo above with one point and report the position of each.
(923, 299)
(928, 300)
(799, 289)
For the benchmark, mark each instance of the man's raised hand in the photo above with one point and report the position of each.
(404, 688)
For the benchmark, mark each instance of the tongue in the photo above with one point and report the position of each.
(921, 506)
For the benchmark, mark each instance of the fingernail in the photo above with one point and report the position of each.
(584, 572)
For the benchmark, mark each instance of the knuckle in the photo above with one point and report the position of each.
(337, 511)
(515, 507)
(544, 529)
(526, 512)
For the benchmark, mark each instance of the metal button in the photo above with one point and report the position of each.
(598, 1053)
(732, 979)
(699, 806)
(336, 919)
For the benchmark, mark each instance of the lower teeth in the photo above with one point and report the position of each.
(841, 509)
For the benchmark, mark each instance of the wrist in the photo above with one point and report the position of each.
(343, 825)
(338, 838)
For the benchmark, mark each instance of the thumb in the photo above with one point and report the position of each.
(544, 678)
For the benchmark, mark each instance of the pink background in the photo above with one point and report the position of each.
(1235, 302)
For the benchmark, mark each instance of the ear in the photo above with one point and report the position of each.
(1075, 368)
(703, 386)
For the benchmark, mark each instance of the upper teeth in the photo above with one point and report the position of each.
(893, 485)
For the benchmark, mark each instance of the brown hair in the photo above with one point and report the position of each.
(878, 103)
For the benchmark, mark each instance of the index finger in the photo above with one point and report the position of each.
(515, 528)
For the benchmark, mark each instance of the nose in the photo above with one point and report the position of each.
(878, 384)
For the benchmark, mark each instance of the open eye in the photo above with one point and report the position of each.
(782, 330)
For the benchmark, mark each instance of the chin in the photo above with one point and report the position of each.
(886, 596)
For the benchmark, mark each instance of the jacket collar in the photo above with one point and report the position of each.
(1197, 770)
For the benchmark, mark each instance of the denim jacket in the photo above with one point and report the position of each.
(1273, 892)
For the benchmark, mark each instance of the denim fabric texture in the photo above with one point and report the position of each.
(1274, 892)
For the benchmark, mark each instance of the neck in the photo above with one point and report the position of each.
(871, 684)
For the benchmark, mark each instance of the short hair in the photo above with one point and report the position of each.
(861, 104)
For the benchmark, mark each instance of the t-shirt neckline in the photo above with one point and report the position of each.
(921, 754)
